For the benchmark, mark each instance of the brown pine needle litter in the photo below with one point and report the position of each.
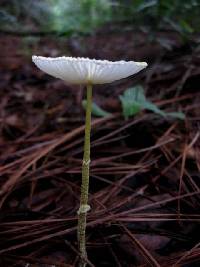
(144, 173)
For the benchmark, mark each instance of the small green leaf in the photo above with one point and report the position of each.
(133, 101)
(96, 110)
(186, 26)
(129, 109)
(146, 4)
(176, 115)
(152, 107)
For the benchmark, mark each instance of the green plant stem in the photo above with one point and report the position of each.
(84, 207)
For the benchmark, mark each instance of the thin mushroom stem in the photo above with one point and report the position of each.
(84, 207)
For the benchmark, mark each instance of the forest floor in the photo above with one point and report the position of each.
(145, 179)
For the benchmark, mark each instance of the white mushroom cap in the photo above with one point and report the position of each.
(85, 70)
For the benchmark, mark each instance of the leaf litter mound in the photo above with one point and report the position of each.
(144, 184)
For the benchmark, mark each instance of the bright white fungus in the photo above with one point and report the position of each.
(84, 70)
